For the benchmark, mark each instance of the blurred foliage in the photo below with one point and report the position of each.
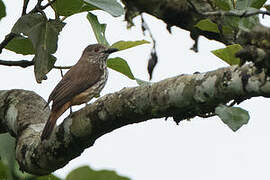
(2, 10)
(81, 173)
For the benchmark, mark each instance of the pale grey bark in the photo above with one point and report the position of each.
(181, 97)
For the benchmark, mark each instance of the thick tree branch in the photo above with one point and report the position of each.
(181, 97)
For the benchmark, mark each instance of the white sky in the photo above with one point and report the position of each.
(203, 149)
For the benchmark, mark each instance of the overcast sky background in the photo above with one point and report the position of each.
(202, 149)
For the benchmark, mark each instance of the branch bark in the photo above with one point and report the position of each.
(181, 97)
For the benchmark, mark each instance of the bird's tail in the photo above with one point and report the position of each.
(48, 127)
(55, 114)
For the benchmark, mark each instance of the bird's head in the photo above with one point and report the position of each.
(98, 50)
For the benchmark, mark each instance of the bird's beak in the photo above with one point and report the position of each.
(110, 50)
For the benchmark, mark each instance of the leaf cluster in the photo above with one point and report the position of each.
(236, 18)
(35, 34)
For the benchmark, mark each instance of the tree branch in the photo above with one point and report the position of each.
(26, 63)
(62, 67)
(25, 4)
(181, 97)
(245, 13)
(21, 63)
(39, 7)
(8, 38)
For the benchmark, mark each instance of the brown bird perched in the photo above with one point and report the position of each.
(80, 84)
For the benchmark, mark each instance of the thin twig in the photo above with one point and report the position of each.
(38, 7)
(26, 63)
(21, 63)
(48, 4)
(62, 67)
(25, 4)
(8, 38)
(56, 15)
(61, 72)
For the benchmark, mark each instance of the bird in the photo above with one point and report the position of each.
(80, 84)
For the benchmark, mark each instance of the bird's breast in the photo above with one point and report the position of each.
(92, 91)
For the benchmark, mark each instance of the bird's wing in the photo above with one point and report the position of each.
(79, 78)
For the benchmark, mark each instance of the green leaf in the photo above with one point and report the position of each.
(247, 24)
(2, 10)
(110, 6)
(120, 65)
(85, 172)
(99, 29)
(88, 7)
(21, 45)
(67, 7)
(70, 7)
(208, 25)
(7, 152)
(9, 168)
(4, 171)
(234, 117)
(232, 22)
(228, 54)
(122, 45)
(44, 36)
(225, 5)
(48, 177)
(243, 4)
(257, 3)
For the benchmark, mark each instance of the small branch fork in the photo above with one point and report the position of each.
(10, 36)
(37, 8)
